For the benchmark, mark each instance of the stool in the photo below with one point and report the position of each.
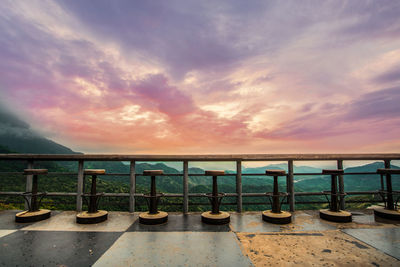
(33, 214)
(390, 211)
(93, 215)
(275, 215)
(334, 214)
(153, 216)
(215, 216)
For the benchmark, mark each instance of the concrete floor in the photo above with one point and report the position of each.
(186, 241)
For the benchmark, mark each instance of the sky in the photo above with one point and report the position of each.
(186, 77)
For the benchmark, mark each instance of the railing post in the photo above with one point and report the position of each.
(239, 198)
(341, 184)
(387, 163)
(79, 186)
(132, 189)
(185, 186)
(291, 185)
(387, 166)
(389, 190)
(28, 186)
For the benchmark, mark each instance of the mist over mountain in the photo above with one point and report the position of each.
(17, 136)
(282, 166)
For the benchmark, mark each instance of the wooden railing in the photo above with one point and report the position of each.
(185, 159)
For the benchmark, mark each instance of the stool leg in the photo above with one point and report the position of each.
(334, 197)
(275, 197)
(34, 204)
(153, 199)
(92, 200)
(215, 206)
(390, 203)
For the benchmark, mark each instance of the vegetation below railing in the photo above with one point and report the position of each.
(61, 184)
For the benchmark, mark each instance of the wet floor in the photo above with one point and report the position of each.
(185, 241)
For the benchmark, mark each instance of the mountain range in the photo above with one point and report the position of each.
(16, 136)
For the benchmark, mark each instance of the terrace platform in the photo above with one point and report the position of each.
(186, 241)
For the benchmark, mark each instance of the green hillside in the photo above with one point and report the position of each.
(18, 136)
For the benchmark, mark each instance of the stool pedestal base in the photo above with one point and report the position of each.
(158, 218)
(283, 217)
(220, 218)
(387, 214)
(335, 216)
(89, 218)
(32, 216)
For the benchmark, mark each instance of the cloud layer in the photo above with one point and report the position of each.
(205, 76)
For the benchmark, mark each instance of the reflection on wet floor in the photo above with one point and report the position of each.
(185, 240)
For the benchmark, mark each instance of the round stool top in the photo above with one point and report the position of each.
(35, 171)
(153, 172)
(214, 173)
(94, 171)
(388, 171)
(336, 171)
(275, 172)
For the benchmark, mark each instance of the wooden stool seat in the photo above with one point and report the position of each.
(214, 173)
(333, 172)
(221, 218)
(94, 171)
(151, 219)
(34, 213)
(35, 171)
(275, 172)
(215, 216)
(153, 216)
(283, 217)
(388, 171)
(334, 214)
(276, 215)
(32, 216)
(340, 216)
(91, 217)
(390, 211)
(153, 172)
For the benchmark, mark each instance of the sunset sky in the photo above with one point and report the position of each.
(182, 77)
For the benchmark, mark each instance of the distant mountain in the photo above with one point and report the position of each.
(372, 167)
(362, 182)
(282, 166)
(17, 136)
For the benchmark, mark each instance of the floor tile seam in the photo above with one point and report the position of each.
(368, 245)
(66, 231)
(289, 232)
(179, 231)
(242, 249)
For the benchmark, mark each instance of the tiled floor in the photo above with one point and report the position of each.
(185, 241)
(175, 249)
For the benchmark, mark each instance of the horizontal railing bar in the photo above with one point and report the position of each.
(310, 202)
(208, 204)
(349, 193)
(47, 193)
(190, 174)
(347, 201)
(197, 194)
(222, 157)
(253, 194)
(346, 173)
(10, 193)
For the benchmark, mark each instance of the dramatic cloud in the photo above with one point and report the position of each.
(392, 75)
(204, 76)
